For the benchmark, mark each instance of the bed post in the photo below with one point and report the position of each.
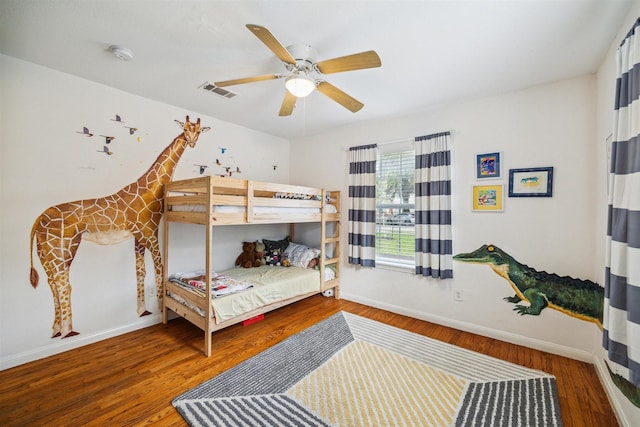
(208, 269)
(292, 229)
(165, 254)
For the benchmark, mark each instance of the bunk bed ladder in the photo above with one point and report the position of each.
(333, 240)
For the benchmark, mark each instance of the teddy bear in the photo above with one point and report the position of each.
(247, 258)
(261, 252)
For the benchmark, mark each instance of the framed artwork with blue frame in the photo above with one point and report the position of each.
(488, 166)
(531, 182)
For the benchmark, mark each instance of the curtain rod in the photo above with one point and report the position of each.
(397, 141)
(407, 139)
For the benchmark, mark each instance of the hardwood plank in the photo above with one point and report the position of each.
(131, 379)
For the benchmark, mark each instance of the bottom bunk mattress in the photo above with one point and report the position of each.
(269, 284)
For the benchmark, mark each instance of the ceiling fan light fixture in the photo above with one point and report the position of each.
(299, 85)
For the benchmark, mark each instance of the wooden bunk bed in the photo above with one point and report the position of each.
(218, 201)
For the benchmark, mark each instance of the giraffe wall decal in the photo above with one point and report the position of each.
(134, 211)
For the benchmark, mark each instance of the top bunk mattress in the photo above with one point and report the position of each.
(256, 210)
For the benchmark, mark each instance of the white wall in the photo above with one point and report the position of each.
(44, 162)
(549, 125)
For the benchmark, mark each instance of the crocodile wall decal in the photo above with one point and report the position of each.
(582, 299)
(627, 388)
(578, 298)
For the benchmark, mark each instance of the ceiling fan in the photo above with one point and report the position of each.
(304, 74)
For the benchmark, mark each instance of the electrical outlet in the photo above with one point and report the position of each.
(458, 295)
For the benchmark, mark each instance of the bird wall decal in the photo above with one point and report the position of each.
(105, 150)
(108, 139)
(85, 132)
(202, 168)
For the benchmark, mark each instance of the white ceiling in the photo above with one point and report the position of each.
(432, 52)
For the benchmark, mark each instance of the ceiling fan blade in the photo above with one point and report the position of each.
(357, 61)
(272, 43)
(248, 80)
(339, 96)
(287, 104)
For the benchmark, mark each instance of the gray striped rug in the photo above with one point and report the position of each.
(351, 371)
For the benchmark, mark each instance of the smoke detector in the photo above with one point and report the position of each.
(121, 52)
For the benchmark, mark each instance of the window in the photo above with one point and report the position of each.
(395, 213)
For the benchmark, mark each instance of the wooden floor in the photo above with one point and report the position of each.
(131, 379)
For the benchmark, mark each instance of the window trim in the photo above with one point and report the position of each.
(394, 265)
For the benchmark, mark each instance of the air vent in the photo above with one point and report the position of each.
(210, 87)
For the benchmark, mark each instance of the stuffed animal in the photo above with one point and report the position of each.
(313, 263)
(273, 257)
(278, 258)
(247, 258)
(261, 252)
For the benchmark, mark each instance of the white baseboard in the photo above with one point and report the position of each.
(61, 345)
(560, 350)
(611, 391)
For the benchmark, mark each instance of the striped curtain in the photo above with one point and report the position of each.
(621, 334)
(362, 205)
(433, 206)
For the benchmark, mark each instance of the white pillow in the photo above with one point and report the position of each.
(300, 255)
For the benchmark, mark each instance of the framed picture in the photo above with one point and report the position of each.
(488, 198)
(488, 166)
(531, 182)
